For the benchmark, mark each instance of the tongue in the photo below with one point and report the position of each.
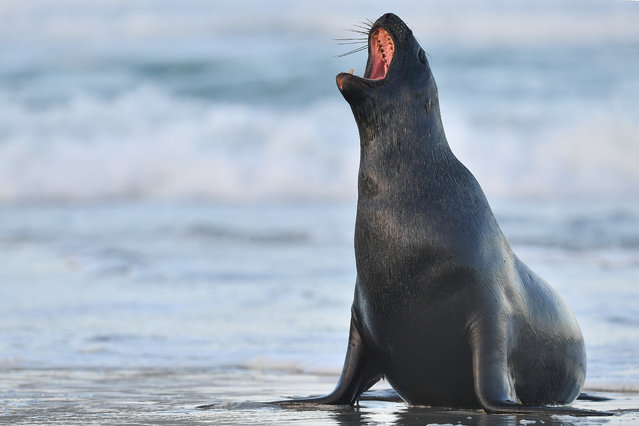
(378, 70)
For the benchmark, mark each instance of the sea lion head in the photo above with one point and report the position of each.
(397, 70)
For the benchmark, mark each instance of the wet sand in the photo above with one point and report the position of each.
(162, 396)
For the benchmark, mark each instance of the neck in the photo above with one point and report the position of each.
(400, 150)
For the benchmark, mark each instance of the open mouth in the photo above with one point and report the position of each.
(381, 52)
(382, 49)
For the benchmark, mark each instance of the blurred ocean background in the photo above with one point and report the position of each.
(178, 188)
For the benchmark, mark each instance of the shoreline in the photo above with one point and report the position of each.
(171, 396)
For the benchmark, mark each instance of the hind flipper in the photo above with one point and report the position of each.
(588, 397)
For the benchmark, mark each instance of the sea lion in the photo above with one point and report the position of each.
(443, 309)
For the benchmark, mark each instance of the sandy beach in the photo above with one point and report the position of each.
(171, 396)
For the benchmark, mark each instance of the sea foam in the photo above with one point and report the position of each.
(149, 144)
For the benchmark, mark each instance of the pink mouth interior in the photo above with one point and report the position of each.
(382, 49)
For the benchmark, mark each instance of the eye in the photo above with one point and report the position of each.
(422, 56)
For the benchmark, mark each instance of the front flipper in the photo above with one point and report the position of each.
(360, 372)
(493, 385)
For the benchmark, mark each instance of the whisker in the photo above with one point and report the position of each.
(363, 27)
(359, 49)
(357, 31)
(351, 41)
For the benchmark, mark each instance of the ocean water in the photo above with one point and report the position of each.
(178, 188)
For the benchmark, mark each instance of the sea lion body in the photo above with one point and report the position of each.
(437, 279)
(443, 309)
